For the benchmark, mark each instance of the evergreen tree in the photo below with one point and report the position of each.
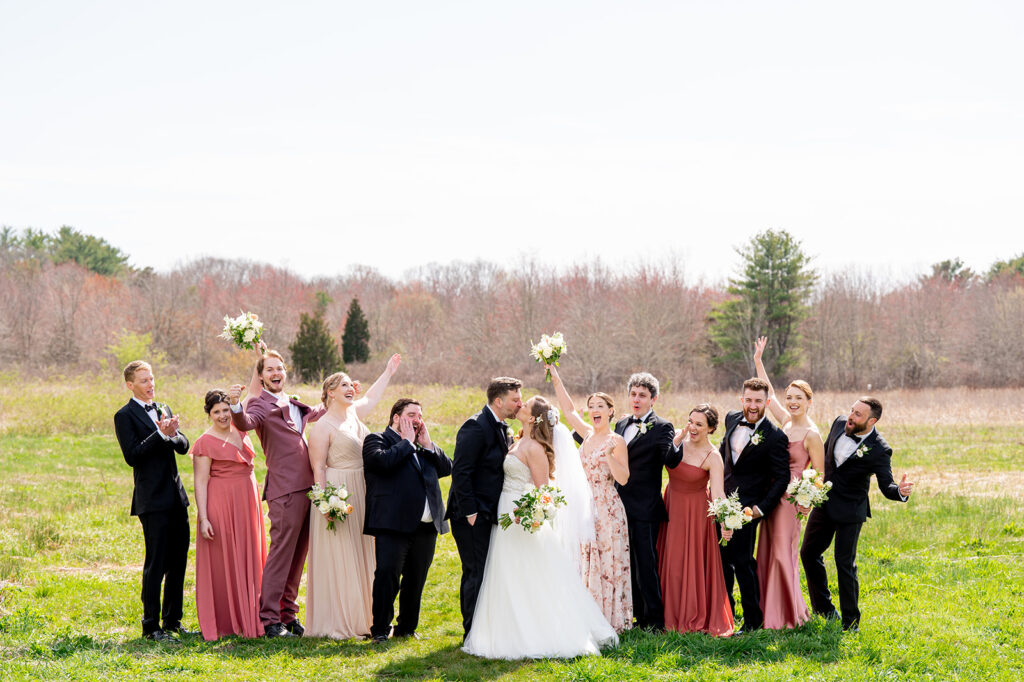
(314, 351)
(769, 298)
(355, 342)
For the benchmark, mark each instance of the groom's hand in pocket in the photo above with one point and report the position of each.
(471, 519)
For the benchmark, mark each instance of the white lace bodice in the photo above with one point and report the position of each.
(517, 475)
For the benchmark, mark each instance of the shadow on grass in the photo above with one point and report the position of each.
(450, 663)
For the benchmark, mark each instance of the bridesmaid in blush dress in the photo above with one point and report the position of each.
(689, 561)
(339, 575)
(230, 549)
(778, 545)
(604, 562)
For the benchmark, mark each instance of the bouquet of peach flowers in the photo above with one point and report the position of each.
(533, 508)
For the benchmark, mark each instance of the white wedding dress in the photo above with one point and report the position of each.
(532, 602)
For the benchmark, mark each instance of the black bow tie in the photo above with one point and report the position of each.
(151, 407)
(635, 420)
(747, 424)
(855, 439)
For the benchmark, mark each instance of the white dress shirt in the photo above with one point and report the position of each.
(846, 446)
(741, 436)
(156, 420)
(426, 517)
(633, 429)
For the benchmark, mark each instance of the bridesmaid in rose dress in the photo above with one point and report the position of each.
(689, 561)
(777, 547)
(230, 549)
(339, 575)
(604, 563)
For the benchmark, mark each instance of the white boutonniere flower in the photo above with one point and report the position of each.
(861, 451)
(294, 396)
(756, 439)
(645, 427)
(161, 410)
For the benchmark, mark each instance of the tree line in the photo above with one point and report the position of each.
(72, 302)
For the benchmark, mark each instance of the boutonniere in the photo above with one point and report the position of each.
(645, 426)
(861, 451)
(756, 438)
(294, 396)
(161, 410)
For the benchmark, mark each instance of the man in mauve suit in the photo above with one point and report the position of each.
(854, 452)
(147, 432)
(649, 444)
(279, 421)
(756, 457)
(477, 476)
(405, 513)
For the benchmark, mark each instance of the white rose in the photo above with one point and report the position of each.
(803, 499)
(810, 474)
(545, 350)
(734, 521)
(334, 502)
(249, 335)
(324, 507)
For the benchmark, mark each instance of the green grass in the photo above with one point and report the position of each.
(942, 578)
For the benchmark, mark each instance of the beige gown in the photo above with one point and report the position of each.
(341, 562)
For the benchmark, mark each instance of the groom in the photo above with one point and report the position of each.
(279, 420)
(756, 457)
(649, 444)
(477, 475)
(147, 432)
(853, 452)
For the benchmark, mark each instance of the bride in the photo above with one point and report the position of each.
(532, 603)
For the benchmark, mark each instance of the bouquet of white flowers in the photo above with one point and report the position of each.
(810, 490)
(332, 502)
(245, 330)
(730, 513)
(534, 508)
(548, 351)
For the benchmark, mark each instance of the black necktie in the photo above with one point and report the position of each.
(747, 424)
(635, 420)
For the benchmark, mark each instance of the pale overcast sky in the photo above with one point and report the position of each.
(322, 134)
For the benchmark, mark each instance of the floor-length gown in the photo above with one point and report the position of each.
(604, 563)
(229, 567)
(777, 548)
(532, 603)
(689, 562)
(339, 576)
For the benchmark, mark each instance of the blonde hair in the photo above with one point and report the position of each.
(801, 386)
(134, 366)
(331, 383)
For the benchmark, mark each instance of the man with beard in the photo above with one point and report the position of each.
(756, 456)
(853, 452)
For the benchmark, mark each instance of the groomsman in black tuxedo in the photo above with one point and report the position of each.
(756, 456)
(147, 432)
(853, 452)
(404, 512)
(649, 444)
(477, 475)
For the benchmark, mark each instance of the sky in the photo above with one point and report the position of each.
(320, 135)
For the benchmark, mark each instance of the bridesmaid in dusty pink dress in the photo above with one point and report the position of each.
(230, 548)
(778, 545)
(604, 563)
(689, 562)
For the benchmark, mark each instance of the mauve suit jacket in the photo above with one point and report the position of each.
(288, 469)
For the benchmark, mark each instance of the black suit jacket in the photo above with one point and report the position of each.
(477, 470)
(649, 452)
(157, 485)
(848, 499)
(397, 486)
(762, 472)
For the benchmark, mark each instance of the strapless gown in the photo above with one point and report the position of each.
(532, 603)
(339, 578)
(777, 547)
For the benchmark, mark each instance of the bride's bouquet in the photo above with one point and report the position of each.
(548, 351)
(536, 506)
(245, 330)
(730, 513)
(332, 501)
(810, 490)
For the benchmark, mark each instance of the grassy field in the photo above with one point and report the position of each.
(942, 578)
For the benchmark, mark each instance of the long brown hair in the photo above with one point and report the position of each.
(543, 431)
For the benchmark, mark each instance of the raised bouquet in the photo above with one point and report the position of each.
(536, 506)
(332, 501)
(730, 513)
(548, 351)
(810, 490)
(245, 330)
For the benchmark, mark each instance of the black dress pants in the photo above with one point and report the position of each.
(819, 534)
(167, 537)
(740, 566)
(403, 560)
(648, 608)
(473, 542)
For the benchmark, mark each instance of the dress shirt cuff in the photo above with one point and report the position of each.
(758, 510)
(237, 407)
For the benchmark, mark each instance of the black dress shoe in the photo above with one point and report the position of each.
(380, 639)
(295, 627)
(158, 636)
(410, 635)
(276, 630)
(179, 631)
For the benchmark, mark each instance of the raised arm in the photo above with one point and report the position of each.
(778, 411)
(365, 405)
(249, 416)
(319, 441)
(568, 407)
